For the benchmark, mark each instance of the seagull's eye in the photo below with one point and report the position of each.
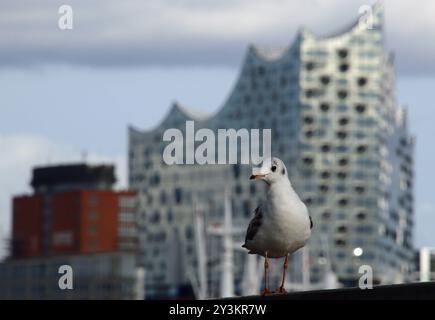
(273, 168)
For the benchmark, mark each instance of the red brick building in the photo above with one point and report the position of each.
(73, 210)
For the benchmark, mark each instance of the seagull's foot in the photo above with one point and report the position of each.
(282, 290)
(266, 291)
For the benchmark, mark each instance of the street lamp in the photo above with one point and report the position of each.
(357, 252)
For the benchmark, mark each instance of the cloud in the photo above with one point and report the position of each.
(20, 153)
(113, 33)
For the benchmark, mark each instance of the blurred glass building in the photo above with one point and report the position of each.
(330, 103)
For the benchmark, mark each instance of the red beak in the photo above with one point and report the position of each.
(256, 176)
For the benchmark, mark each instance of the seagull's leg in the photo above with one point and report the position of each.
(281, 289)
(266, 276)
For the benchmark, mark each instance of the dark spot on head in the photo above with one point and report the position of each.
(283, 171)
(273, 168)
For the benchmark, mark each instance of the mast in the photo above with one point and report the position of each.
(250, 280)
(227, 281)
(202, 289)
(226, 231)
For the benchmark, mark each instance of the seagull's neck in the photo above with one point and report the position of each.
(283, 198)
(281, 188)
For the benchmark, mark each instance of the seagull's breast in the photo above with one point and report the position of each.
(285, 225)
(289, 225)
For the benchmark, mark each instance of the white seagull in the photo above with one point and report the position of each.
(281, 225)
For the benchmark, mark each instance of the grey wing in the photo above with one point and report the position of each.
(254, 225)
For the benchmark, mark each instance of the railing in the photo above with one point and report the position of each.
(409, 291)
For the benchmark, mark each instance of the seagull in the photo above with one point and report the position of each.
(281, 225)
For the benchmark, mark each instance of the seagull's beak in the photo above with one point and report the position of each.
(257, 176)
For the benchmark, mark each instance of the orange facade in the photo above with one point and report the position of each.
(26, 226)
(83, 221)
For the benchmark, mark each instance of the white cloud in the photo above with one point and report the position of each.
(164, 32)
(20, 153)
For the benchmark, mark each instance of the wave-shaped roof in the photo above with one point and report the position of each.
(179, 112)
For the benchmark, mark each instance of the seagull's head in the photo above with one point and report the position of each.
(272, 170)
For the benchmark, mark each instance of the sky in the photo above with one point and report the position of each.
(69, 95)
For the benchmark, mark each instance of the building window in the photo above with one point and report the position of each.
(93, 215)
(155, 180)
(178, 195)
(93, 200)
(361, 148)
(340, 243)
(341, 134)
(309, 133)
(323, 188)
(343, 162)
(361, 216)
(342, 94)
(189, 232)
(341, 175)
(362, 81)
(326, 215)
(343, 202)
(342, 53)
(309, 66)
(341, 229)
(92, 229)
(308, 120)
(155, 217)
(341, 148)
(127, 202)
(325, 80)
(340, 188)
(261, 71)
(308, 201)
(359, 189)
(340, 255)
(344, 67)
(343, 121)
(92, 244)
(326, 148)
(309, 93)
(170, 216)
(324, 106)
(325, 175)
(163, 197)
(308, 160)
(360, 108)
